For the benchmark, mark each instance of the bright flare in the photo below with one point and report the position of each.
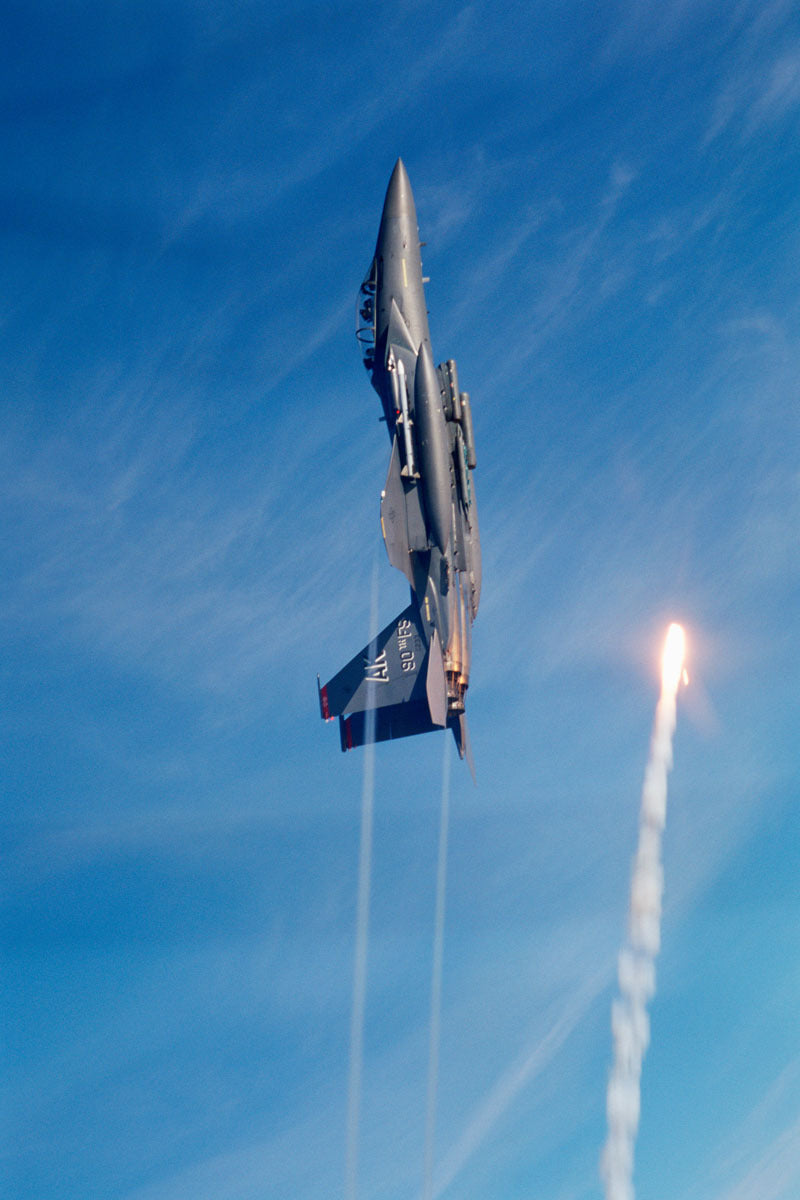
(672, 659)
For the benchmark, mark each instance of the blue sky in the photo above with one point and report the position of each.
(190, 468)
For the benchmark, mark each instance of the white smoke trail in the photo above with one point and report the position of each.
(362, 924)
(436, 976)
(630, 1025)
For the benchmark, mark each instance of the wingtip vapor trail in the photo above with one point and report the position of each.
(362, 931)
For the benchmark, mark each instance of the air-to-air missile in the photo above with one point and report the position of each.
(413, 677)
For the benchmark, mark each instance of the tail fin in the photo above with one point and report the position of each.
(399, 677)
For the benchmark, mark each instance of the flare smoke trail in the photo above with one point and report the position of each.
(630, 1025)
(436, 978)
(362, 927)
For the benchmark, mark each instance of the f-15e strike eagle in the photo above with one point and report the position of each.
(412, 678)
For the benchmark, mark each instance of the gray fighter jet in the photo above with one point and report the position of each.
(412, 678)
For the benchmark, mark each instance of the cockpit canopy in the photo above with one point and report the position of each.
(366, 316)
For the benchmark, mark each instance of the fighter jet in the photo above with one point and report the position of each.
(413, 677)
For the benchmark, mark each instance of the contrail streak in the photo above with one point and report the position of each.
(436, 977)
(362, 924)
(630, 1025)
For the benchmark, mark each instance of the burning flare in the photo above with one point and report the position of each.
(672, 659)
(630, 1023)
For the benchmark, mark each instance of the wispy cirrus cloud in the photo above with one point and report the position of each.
(761, 89)
(124, 526)
(358, 115)
(764, 1156)
(518, 1075)
(572, 275)
(776, 1174)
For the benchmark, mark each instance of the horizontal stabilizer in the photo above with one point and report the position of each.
(383, 724)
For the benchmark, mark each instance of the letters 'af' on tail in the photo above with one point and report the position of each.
(393, 688)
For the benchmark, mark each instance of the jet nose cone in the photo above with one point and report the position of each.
(399, 199)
